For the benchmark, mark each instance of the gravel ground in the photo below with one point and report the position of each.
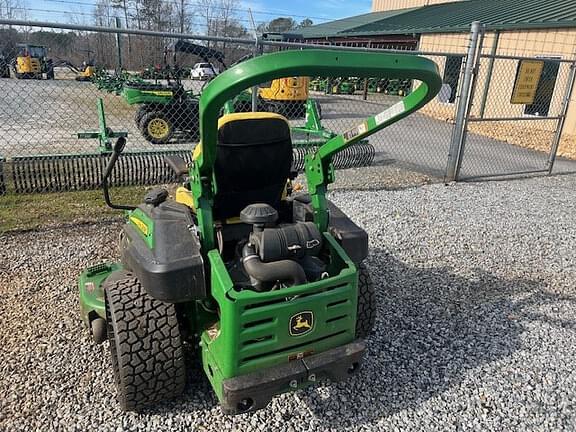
(476, 327)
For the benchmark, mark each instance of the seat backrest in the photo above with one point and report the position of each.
(253, 161)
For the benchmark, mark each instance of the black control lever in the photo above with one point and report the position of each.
(116, 152)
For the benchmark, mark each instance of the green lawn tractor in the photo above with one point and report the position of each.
(343, 86)
(338, 85)
(396, 87)
(267, 286)
(165, 110)
(318, 84)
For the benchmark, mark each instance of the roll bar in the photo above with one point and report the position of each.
(309, 62)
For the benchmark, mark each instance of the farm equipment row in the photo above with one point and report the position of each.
(114, 82)
(340, 85)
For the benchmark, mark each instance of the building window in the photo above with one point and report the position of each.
(544, 91)
(452, 77)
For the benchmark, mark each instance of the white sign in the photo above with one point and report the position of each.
(394, 111)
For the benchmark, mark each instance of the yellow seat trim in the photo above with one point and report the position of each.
(184, 196)
(228, 118)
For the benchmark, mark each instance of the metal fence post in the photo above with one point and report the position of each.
(463, 103)
(471, 95)
(489, 73)
(119, 44)
(562, 119)
(257, 52)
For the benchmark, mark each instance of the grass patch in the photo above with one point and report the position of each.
(32, 211)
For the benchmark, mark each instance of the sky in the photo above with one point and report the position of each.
(79, 11)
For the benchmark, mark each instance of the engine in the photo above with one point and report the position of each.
(277, 255)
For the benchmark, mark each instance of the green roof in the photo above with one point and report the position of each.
(454, 18)
(334, 28)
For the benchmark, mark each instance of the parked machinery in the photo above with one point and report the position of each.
(166, 109)
(32, 62)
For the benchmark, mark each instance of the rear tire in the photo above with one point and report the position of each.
(366, 311)
(145, 345)
(140, 112)
(156, 127)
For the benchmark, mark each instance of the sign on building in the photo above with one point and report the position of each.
(527, 80)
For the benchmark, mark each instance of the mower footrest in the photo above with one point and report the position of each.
(254, 391)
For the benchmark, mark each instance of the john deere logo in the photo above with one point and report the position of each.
(301, 323)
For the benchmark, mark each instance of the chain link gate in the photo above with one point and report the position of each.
(511, 113)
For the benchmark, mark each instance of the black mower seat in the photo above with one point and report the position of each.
(253, 161)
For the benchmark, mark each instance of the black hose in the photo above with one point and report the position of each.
(285, 270)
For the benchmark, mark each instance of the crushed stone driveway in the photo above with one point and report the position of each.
(476, 287)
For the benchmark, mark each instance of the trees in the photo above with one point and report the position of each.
(218, 18)
(123, 6)
(281, 25)
(12, 9)
(183, 16)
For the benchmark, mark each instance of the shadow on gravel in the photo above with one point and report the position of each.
(433, 327)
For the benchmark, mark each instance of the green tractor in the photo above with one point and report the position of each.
(168, 109)
(268, 286)
(318, 84)
(339, 85)
(344, 86)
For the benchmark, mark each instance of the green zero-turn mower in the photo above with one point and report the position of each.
(269, 286)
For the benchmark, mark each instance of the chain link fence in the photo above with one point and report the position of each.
(55, 136)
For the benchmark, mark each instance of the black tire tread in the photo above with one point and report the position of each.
(145, 343)
(140, 112)
(366, 311)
